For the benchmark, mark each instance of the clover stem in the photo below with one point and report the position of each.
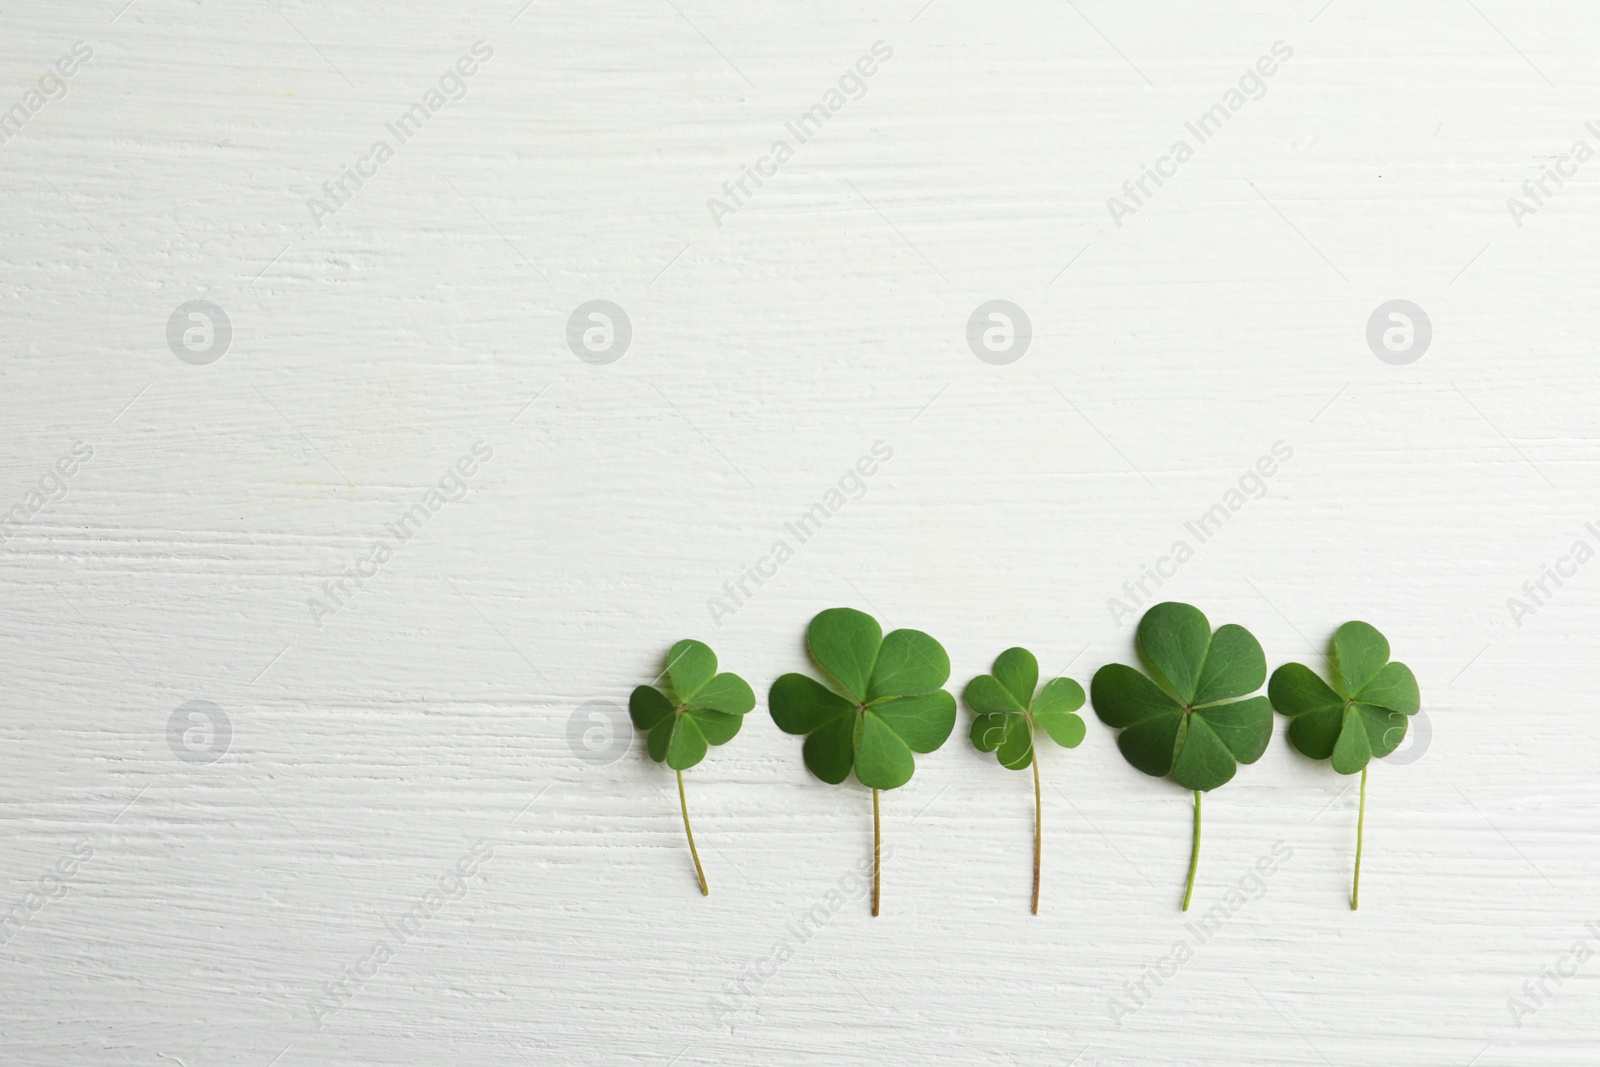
(1038, 831)
(698, 870)
(1361, 820)
(1194, 854)
(877, 854)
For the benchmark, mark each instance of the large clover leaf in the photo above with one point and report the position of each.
(886, 701)
(699, 707)
(1188, 721)
(1363, 714)
(1007, 712)
(1187, 718)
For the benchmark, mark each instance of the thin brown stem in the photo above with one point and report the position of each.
(683, 801)
(877, 852)
(1038, 831)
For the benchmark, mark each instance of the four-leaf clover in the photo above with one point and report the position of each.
(1008, 710)
(886, 702)
(1363, 714)
(1187, 718)
(700, 708)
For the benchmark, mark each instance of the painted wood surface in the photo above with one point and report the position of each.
(320, 599)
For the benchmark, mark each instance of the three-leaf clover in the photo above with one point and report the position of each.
(699, 707)
(1363, 714)
(1186, 718)
(1007, 712)
(886, 702)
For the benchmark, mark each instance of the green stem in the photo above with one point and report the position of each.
(1194, 855)
(1038, 831)
(699, 872)
(1361, 822)
(877, 853)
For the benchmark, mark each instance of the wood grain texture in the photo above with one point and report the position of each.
(429, 735)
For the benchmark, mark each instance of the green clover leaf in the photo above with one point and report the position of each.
(1007, 712)
(886, 701)
(1191, 717)
(698, 708)
(1364, 713)
(885, 704)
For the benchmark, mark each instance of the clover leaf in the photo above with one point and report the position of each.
(1363, 714)
(1007, 712)
(699, 707)
(1191, 717)
(885, 702)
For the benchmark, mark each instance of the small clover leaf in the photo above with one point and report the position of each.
(886, 702)
(1192, 716)
(698, 707)
(1007, 710)
(1364, 713)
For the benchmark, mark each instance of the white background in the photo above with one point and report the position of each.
(436, 708)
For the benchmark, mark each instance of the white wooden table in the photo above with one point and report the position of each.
(308, 590)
